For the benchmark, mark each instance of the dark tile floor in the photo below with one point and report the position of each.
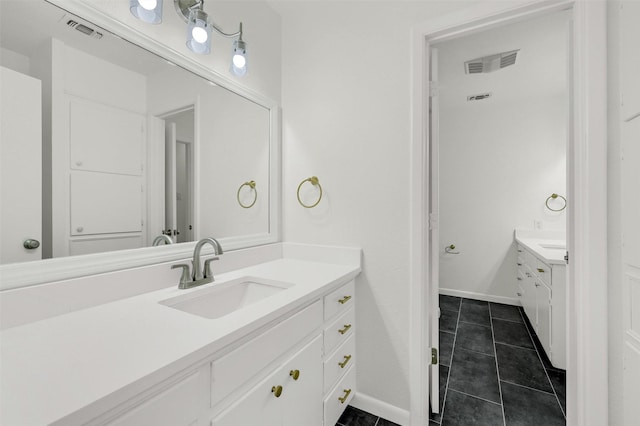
(355, 417)
(493, 370)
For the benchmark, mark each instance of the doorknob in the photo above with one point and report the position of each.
(31, 244)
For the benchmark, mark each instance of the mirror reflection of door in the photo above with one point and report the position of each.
(20, 167)
(179, 162)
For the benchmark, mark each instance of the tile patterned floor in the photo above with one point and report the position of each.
(493, 370)
(355, 417)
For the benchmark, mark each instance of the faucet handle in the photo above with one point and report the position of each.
(207, 267)
(185, 277)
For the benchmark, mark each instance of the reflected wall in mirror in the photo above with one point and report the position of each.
(130, 147)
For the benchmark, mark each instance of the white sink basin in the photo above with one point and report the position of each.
(218, 300)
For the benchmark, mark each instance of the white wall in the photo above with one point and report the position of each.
(500, 158)
(14, 61)
(346, 119)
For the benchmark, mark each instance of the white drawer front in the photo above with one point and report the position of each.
(339, 397)
(339, 331)
(238, 366)
(339, 301)
(339, 362)
(543, 271)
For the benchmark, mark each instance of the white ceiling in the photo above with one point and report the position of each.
(540, 69)
(27, 24)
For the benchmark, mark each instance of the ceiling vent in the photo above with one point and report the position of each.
(479, 97)
(88, 31)
(491, 63)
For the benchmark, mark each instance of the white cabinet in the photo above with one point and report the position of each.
(339, 352)
(299, 370)
(541, 288)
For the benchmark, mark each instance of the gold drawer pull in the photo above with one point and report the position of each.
(295, 374)
(519, 278)
(343, 364)
(540, 270)
(343, 399)
(345, 329)
(519, 264)
(344, 300)
(277, 391)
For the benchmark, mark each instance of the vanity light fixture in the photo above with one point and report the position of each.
(149, 11)
(199, 28)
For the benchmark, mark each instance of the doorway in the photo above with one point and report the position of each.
(586, 222)
(501, 139)
(179, 174)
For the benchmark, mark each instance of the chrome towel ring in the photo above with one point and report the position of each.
(553, 197)
(314, 181)
(252, 185)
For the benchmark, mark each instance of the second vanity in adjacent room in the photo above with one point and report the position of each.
(271, 341)
(541, 288)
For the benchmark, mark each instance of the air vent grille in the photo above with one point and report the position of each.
(478, 97)
(491, 63)
(88, 31)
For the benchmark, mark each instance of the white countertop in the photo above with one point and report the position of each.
(96, 358)
(550, 246)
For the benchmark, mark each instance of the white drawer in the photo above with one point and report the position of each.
(339, 362)
(339, 397)
(238, 366)
(339, 301)
(543, 271)
(339, 330)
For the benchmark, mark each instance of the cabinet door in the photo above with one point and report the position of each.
(280, 399)
(303, 396)
(543, 329)
(529, 297)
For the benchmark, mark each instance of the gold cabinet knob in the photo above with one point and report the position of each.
(295, 374)
(276, 391)
(540, 270)
(345, 329)
(344, 300)
(346, 360)
(343, 398)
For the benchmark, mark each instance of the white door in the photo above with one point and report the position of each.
(630, 197)
(434, 235)
(170, 204)
(21, 166)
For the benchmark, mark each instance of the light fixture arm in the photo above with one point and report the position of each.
(228, 35)
(184, 8)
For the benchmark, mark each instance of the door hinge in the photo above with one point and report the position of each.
(433, 220)
(433, 89)
(434, 356)
(566, 257)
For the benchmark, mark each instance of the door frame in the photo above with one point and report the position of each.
(587, 363)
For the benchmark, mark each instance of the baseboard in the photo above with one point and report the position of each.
(381, 409)
(481, 296)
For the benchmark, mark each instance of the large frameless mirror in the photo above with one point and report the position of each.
(108, 147)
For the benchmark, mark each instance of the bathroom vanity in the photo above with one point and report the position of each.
(541, 289)
(271, 343)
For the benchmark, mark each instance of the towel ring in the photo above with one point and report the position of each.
(251, 184)
(553, 197)
(314, 181)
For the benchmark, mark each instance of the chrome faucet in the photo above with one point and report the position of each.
(199, 277)
(197, 270)
(161, 238)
